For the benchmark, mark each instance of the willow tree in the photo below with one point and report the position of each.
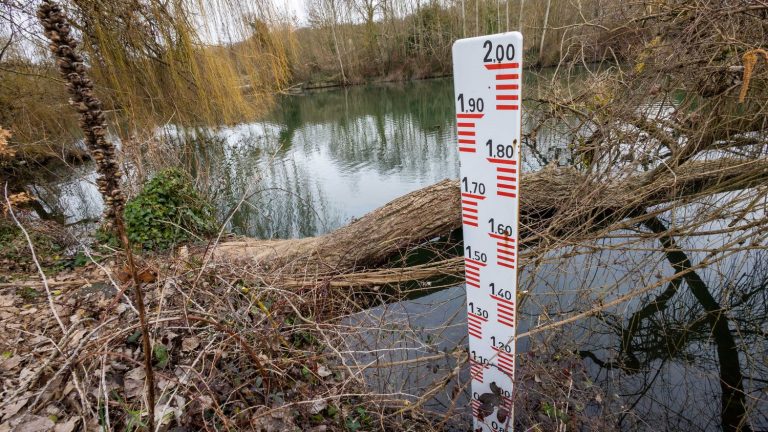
(154, 62)
(171, 57)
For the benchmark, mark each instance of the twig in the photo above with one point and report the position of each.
(44, 279)
(106, 393)
(70, 359)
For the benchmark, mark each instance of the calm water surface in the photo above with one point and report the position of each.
(323, 158)
(318, 160)
(338, 154)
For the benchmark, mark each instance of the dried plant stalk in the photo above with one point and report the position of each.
(750, 60)
(93, 123)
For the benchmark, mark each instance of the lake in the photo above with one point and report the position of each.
(317, 160)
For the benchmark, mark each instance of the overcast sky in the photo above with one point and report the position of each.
(297, 7)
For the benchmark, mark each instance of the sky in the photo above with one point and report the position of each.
(225, 26)
(297, 7)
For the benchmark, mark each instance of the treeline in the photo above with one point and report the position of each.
(152, 63)
(351, 41)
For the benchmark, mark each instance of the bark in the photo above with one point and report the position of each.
(366, 242)
(556, 204)
(544, 32)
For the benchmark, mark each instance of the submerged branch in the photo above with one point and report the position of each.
(733, 403)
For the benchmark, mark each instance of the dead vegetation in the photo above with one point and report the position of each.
(228, 353)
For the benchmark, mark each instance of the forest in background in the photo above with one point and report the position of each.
(354, 41)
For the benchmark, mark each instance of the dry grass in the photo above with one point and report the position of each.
(234, 352)
(229, 352)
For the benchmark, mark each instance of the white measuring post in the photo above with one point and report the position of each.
(487, 75)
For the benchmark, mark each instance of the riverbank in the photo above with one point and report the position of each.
(242, 357)
(406, 74)
(641, 255)
(229, 350)
(331, 83)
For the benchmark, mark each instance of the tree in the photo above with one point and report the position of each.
(544, 31)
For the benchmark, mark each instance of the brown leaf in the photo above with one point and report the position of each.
(6, 300)
(278, 421)
(147, 276)
(323, 371)
(134, 382)
(190, 343)
(5, 150)
(32, 423)
(67, 426)
(14, 407)
(144, 276)
(502, 414)
(317, 406)
(123, 276)
(10, 363)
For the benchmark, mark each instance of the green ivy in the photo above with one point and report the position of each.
(168, 210)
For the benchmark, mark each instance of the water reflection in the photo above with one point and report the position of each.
(681, 353)
(655, 356)
(324, 158)
(430, 327)
(320, 159)
(689, 354)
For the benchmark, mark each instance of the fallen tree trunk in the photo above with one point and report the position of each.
(366, 242)
(556, 203)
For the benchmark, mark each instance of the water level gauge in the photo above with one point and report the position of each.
(487, 74)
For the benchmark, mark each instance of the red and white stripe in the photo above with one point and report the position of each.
(505, 362)
(505, 250)
(507, 403)
(507, 85)
(475, 324)
(472, 272)
(476, 408)
(466, 124)
(469, 203)
(506, 177)
(476, 370)
(505, 311)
